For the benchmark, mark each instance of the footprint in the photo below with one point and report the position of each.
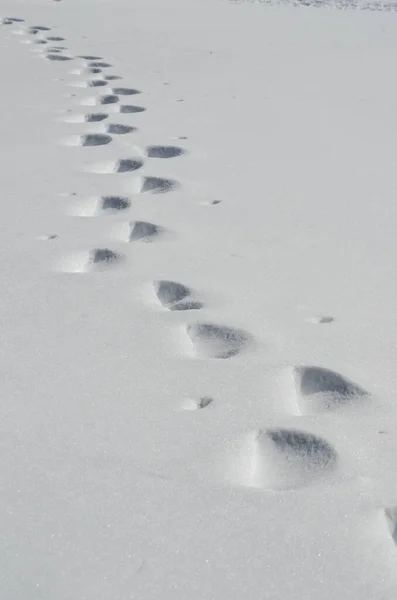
(101, 205)
(321, 390)
(11, 20)
(88, 57)
(85, 118)
(163, 151)
(217, 341)
(89, 139)
(100, 100)
(123, 91)
(280, 459)
(95, 260)
(143, 231)
(112, 77)
(391, 521)
(320, 319)
(55, 38)
(48, 237)
(40, 28)
(170, 292)
(175, 296)
(124, 165)
(117, 129)
(95, 70)
(58, 57)
(100, 64)
(41, 42)
(152, 185)
(202, 402)
(129, 108)
(89, 84)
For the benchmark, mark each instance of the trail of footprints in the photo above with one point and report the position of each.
(268, 458)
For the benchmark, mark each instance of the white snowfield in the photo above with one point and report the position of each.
(199, 300)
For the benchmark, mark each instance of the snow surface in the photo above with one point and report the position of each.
(199, 315)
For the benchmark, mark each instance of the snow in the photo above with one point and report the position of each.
(198, 314)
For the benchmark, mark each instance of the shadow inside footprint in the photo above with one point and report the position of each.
(157, 185)
(123, 91)
(117, 129)
(95, 117)
(144, 231)
(163, 151)
(58, 57)
(95, 139)
(114, 204)
(217, 341)
(170, 292)
(129, 108)
(108, 99)
(391, 520)
(321, 390)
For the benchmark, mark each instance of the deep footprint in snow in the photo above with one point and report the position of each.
(11, 20)
(320, 319)
(200, 403)
(101, 205)
(129, 108)
(143, 231)
(323, 390)
(163, 151)
(58, 57)
(55, 38)
(152, 185)
(100, 64)
(280, 459)
(175, 296)
(100, 100)
(124, 91)
(391, 521)
(112, 77)
(95, 260)
(89, 139)
(124, 165)
(217, 341)
(118, 129)
(85, 118)
(89, 57)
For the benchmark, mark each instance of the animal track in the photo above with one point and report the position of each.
(55, 38)
(391, 521)
(129, 108)
(217, 341)
(163, 151)
(112, 77)
(117, 129)
(97, 205)
(281, 459)
(322, 390)
(124, 165)
(95, 260)
(123, 91)
(90, 139)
